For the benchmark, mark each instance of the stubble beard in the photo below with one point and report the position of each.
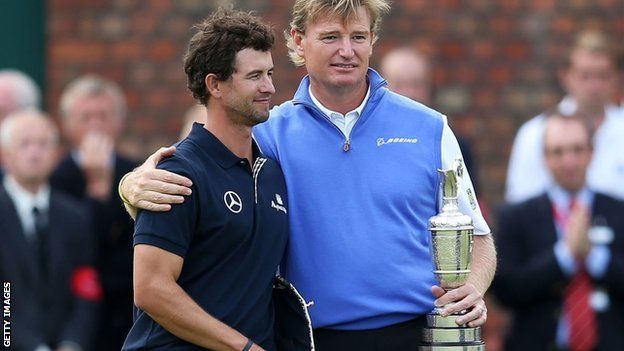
(245, 114)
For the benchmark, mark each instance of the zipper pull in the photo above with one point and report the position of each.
(347, 145)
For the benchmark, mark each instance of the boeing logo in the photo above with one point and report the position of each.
(383, 141)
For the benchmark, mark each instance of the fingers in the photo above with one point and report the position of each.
(464, 298)
(160, 154)
(175, 179)
(159, 198)
(475, 317)
(457, 295)
(96, 150)
(457, 300)
(150, 206)
(576, 236)
(163, 181)
(437, 291)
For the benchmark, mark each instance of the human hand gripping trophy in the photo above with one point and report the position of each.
(451, 253)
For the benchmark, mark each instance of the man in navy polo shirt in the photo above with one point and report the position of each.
(203, 271)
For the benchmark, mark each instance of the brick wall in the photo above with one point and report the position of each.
(495, 60)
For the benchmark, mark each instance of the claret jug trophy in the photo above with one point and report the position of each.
(451, 252)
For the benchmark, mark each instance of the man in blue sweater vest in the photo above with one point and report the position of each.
(360, 166)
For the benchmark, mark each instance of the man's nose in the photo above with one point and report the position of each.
(96, 122)
(267, 85)
(346, 48)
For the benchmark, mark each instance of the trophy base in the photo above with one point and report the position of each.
(453, 348)
(443, 334)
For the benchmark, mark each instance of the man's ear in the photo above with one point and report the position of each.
(298, 41)
(373, 40)
(563, 73)
(213, 85)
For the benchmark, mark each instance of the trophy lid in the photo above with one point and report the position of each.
(450, 216)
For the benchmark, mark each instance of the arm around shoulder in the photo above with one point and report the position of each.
(153, 189)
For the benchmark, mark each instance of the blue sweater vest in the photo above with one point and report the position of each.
(359, 245)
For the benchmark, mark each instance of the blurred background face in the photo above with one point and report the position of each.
(591, 79)
(408, 74)
(31, 151)
(567, 149)
(95, 113)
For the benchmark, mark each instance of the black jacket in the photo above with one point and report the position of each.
(52, 311)
(114, 229)
(530, 282)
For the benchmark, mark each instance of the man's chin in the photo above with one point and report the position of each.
(350, 81)
(259, 118)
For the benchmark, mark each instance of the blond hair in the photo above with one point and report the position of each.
(592, 41)
(308, 11)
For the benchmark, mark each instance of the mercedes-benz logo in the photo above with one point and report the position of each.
(233, 201)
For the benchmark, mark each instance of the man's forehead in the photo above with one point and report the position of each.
(560, 131)
(583, 56)
(332, 19)
(248, 60)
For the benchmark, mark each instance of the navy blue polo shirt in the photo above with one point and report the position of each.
(231, 232)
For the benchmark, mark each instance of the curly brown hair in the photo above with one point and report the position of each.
(216, 42)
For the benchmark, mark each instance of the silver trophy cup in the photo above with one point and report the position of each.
(451, 252)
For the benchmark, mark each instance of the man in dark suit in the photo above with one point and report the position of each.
(561, 266)
(93, 113)
(47, 244)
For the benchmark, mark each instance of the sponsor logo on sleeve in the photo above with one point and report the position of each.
(471, 199)
(278, 204)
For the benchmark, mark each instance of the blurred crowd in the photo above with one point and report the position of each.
(67, 241)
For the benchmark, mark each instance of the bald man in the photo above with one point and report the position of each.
(408, 73)
(17, 91)
(47, 244)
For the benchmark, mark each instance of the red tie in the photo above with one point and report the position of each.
(581, 317)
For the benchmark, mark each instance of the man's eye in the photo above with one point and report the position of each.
(329, 38)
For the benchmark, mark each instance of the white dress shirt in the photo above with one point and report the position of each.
(25, 201)
(344, 122)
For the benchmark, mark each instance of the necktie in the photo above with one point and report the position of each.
(580, 315)
(42, 248)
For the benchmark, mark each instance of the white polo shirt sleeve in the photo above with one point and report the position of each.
(468, 203)
(527, 158)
